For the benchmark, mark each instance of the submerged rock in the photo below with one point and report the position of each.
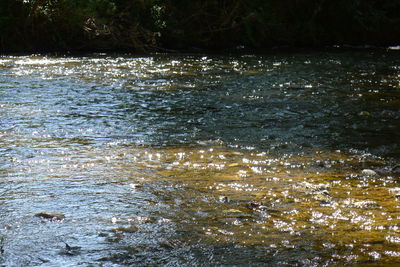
(364, 113)
(52, 216)
(388, 170)
(313, 188)
(320, 192)
(396, 169)
(1, 244)
(172, 244)
(128, 229)
(254, 205)
(369, 172)
(362, 204)
(224, 199)
(395, 191)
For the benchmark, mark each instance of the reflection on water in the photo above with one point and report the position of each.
(187, 159)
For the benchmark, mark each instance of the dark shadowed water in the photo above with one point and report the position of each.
(192, 160)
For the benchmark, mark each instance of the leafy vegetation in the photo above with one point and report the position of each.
(147, 25)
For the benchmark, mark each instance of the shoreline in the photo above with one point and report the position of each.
(201, 51)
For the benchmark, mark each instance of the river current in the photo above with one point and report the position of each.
(285, 159)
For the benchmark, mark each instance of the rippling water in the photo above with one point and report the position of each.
(200, 160)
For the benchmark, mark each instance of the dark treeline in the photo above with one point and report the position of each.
(163, 25)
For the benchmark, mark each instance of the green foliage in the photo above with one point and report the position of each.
(145, 25)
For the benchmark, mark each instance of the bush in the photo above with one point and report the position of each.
(148, 25)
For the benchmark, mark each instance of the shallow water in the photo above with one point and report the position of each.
(200, 160)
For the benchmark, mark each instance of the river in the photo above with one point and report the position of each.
(284, 159)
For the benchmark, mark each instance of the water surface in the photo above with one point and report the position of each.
(200, 160)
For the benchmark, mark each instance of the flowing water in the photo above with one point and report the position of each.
(200, 160)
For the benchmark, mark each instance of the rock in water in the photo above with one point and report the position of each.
(71, 250)
(52, 216)
(369, 172)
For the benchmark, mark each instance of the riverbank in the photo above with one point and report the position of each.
(171, 26)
